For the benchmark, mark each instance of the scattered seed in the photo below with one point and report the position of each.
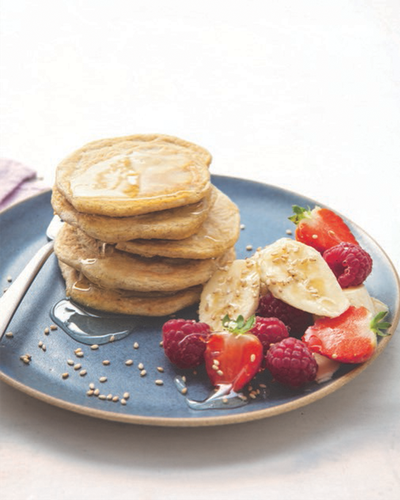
(90, 392)
(79, 354)
(129, 362)
(109, 397)
(78, 366)
(40, 344)
(249, 247)
(314, 236)
(94, 347)
(160, 369)
(184, 390)
(161, 344)
(252, 358)
(82, 373)
(53, 327)
(9, 335)
(143, 373)
(159, 382)
(289, 231)
(46, 330)
(115, 399)
(140, 366)
(225, 400)
(126, 395)
(136, 345)
(91, 386)
(70, 362)
(184, 379)
(103, 379)
(242, 226)
(220, 372)
(65, 375)
(9, 279)
(123, 401)
(112, 338)
(102, 397)
(96, 392)
(106, 362)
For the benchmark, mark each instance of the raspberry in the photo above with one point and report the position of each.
(184, 342)
(269, 331)
(350, 263)
(291, 362)
(296, 320)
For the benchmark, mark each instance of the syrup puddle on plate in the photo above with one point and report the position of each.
(87, 327)
(221, 399)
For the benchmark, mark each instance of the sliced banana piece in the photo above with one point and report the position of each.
(232, 290)
(359, 296)
(297, 274)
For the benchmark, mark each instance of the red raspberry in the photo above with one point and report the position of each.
(184, 342)
(291, 362)
(296, 321)
(269, 331)
(350, 263)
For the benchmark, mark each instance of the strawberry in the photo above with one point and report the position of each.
(348, 338)
(233, 356)
(320, 228)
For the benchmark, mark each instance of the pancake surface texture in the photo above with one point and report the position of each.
(175, 223)
(218, 233)
(123, 302)
(111, 268)
(134, 175)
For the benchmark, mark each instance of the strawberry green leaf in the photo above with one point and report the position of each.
(238, 325)
(377, 325)
(300, 213)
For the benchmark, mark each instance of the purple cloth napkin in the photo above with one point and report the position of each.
(17, 182)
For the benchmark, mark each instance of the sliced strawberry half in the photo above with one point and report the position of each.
(233, 357)
(348, 338)
(320, 228)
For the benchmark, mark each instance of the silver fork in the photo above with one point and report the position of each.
(11, 299)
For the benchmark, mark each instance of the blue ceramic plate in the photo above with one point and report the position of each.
(264, 212)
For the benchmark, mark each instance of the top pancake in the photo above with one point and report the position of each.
(134, 175)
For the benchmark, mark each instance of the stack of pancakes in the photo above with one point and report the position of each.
(144, 227)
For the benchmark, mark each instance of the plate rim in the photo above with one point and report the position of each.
(225, 418)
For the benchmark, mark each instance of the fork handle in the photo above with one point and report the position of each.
(11, 299)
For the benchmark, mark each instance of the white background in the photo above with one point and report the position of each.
(300, 94)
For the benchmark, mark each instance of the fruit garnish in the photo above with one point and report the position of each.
(296, 320)
(320, 228)
(348, 338)
(233, 356)
(232, 290)
(184, 342)
(269, 331)
(350, 263)
(291, 362)
(298, 275)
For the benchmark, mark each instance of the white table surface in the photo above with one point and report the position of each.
(301, 94)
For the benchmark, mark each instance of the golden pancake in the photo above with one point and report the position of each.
(134, 175)
(120, 301)
(115, 269)
(218, 233)
(175, 223)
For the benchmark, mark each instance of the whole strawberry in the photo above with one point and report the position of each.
(291, 362)
(184, 342)
(350, 263)
(269, 331)
(320, 228)
(296, 320)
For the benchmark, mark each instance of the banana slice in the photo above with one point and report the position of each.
(359, 296)
(232, 290)
(297, 274)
